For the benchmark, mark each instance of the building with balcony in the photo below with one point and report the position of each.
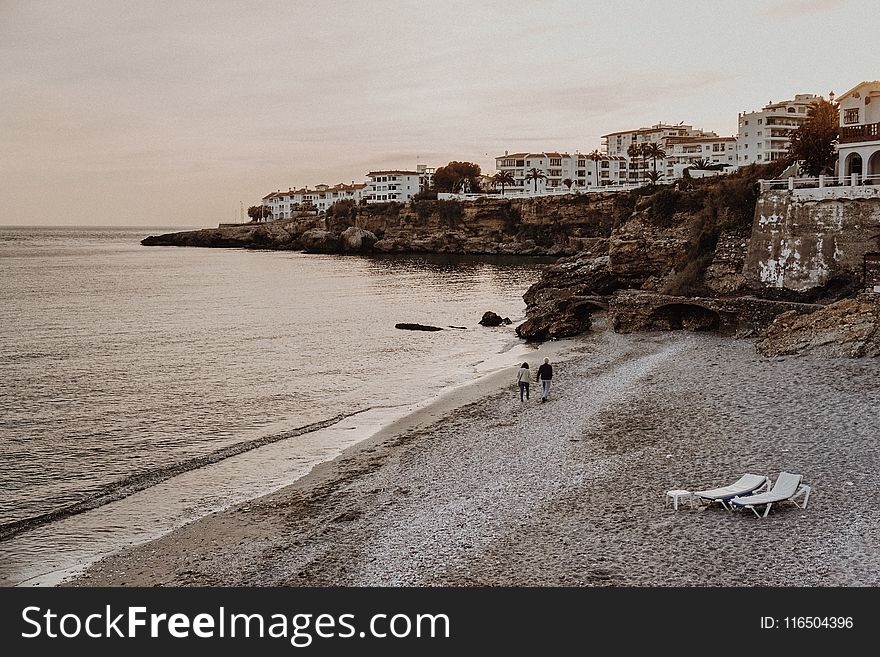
(580, 169)
(393, 185)
(685, 152)
(859, 144)
(284, 204)
(764, 136)
(682, 143)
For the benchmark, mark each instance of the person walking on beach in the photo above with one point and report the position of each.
(522, 378)
(545, 374)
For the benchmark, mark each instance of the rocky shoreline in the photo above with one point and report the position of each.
(498, 492)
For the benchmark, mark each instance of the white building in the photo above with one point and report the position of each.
(394, 185)
(684, 152)
(859, 146)
(682, 143)
(618, 143)
(558, 167)
(284, 204)
(763, 136)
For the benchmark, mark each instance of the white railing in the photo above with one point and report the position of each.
(827, 187)
(561, 191)
(819, 182)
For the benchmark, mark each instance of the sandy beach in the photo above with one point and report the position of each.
(481, 489)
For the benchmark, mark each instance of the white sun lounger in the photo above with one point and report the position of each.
(748, 483)
(787, 487)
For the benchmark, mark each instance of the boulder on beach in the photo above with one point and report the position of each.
(491, 319)
(417, 327)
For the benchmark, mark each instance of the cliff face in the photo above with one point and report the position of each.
(542, 226)
(800, 244)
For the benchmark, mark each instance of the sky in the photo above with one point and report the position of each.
(156, 113)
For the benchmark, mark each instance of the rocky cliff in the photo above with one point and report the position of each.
(552, 226)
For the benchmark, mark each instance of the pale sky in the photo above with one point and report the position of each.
(155, 113)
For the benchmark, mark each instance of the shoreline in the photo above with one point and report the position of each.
(572, 492)
(349, 435)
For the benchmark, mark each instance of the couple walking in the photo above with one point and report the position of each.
(545, 374)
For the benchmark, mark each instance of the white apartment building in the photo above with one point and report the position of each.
(763, 136)
(683, 152)
(393, 185)
(617, 143)
(682, 143)
(859, 147)
(557, 167)
(283, 204)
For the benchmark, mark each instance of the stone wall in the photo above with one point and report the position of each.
(799, 244)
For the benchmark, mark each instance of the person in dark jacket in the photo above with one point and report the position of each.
(545, 374)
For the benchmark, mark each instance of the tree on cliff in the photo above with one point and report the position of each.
(814, 143)
(503, 178)
(535, 175)
(450, 177)
(259, 213)
(635, 153)
(568, 182)
(596, 156)
(655, 152)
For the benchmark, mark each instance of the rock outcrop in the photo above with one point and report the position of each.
(319, 241)
(848, 328)
(357, 240)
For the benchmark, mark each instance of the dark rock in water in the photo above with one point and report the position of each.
(491, 319)
(417, 327)
(463, 328)
(506, 321)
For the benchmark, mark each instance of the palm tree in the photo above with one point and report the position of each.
(655, 152)
(635, 151)
(568, 182)
(596, 155)
(536, 175)
(653, 177)
(503, 178)
(701, 163)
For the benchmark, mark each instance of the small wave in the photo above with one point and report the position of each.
(122, 488)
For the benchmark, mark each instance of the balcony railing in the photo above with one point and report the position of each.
(865, 132)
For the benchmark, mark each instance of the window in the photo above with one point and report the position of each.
(520, 163)
(760, 121)
(851, 115)
(747, 122)
(759, 133)
(792, 110)
(555, 162)
(580, 172)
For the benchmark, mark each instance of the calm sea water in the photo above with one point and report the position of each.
(118, 359)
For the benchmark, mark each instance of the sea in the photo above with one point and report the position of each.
(144, 387)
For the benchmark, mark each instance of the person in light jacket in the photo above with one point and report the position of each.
(522, 378)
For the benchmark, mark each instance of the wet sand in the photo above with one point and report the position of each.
(571, 492)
